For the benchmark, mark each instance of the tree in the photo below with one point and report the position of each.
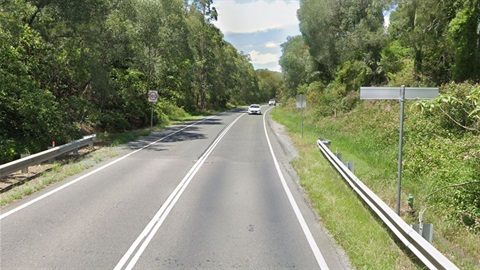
(464, 35)
(343, 31)
(71, 67)
(421, 26)
(296, 64)
(271, 83)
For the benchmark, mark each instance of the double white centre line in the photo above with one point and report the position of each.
(142, 241)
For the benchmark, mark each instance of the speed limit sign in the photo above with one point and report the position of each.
(152, 96)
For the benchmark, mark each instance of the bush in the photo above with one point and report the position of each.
(444, 152)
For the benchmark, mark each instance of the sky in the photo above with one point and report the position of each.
(258, 27)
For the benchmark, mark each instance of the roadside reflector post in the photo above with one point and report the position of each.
(399, 93)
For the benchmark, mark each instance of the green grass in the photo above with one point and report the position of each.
(369, 138)
(364, 239)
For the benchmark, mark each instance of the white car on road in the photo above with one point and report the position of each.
(254, 109)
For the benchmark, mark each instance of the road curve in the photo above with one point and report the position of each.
(217, 193)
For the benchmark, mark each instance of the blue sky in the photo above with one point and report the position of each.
(258, 27)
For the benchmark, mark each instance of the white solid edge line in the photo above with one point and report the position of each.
(155, 223)
(91, 173)
(308, 234)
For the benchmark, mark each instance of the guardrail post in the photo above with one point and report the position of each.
(51, 160)
(24, 170)
(350, 166)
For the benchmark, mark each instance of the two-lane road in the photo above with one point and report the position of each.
(216, 193)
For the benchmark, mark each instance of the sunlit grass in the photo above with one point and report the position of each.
(372, 144)
(366, 242)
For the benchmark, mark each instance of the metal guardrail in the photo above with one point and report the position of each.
(424, 251)
(20, 164)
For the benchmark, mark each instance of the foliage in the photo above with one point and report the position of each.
(74, 67)
(464, 35)
(439, 169)
(458, 108)
(448, 140)
(341, 31)
(427, 43)
(296, 64)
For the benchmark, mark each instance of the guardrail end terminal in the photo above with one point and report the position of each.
(325, 141)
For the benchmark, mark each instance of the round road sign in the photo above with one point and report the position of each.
(152, 96)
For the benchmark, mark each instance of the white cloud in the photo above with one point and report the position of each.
(271, 44)
(263, 58)
(255, 16)
(258, 27)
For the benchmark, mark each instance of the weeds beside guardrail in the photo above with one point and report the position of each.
(20, 164)
(424, 251)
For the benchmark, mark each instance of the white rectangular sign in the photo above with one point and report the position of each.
(395, 92)
(301, 101)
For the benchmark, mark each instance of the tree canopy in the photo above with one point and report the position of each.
(73, 67)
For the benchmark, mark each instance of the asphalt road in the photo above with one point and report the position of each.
(217, 193)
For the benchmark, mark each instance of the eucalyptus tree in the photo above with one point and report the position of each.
(297, 64)
(319, 28)
(272, 84)
(464, 35)
(423, 27)
(201, 13)
(339, 32)
(178, 56)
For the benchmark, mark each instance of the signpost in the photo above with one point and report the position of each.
(301, 103)
(153, 98)
(399, 93)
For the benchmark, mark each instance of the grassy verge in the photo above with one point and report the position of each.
(366, 242)
(372, 146)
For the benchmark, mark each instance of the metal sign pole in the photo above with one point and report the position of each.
(400, 147)
(406, 93)
(151, 117)
(153, 98)
(302, 121)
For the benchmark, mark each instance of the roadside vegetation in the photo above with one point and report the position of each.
(70, 68)
(436, 172)
(345, 45)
